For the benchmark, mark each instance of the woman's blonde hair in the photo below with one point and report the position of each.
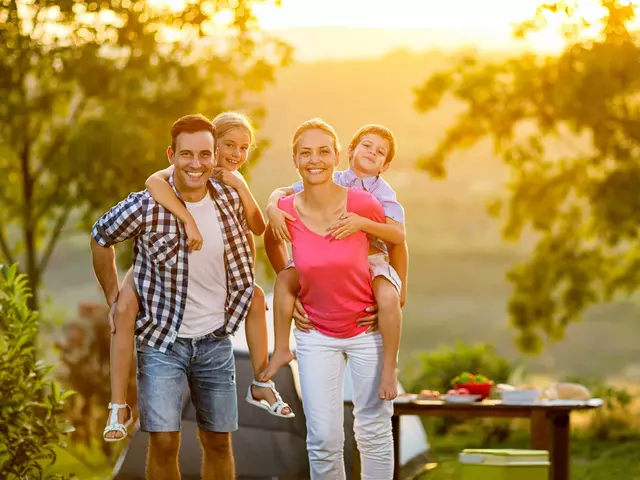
(227, 121)
(315, 124)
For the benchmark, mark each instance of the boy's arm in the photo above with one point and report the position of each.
(399, 260)
(390, 232)
(159, 188)
(277, 194)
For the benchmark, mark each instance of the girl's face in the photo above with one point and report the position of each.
(232, 148)
(316, 158)
(370, 155)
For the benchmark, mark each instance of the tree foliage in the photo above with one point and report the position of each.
(31, 404)
(568, 128)
(88, 91)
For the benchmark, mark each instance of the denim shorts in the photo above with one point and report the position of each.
(207, 364)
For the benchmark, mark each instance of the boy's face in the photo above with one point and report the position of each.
(369, 157)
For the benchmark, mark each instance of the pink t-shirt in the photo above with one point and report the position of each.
(334, 274)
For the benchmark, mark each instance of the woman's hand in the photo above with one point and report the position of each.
(371, 320)
(348, 224)
(278, 221)
(194, 237)
(301, 318)
(228, 178)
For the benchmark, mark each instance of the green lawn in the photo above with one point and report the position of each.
(591, 460)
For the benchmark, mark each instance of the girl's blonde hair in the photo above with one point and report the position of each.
(227, 121)
(315, 124)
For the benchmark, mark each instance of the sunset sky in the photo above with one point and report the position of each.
(484, 23)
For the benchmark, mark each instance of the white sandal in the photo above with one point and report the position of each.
(276, 408)
(113, 425)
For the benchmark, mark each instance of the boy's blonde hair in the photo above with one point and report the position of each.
(227, 121)
(376, 129)
(315, 124)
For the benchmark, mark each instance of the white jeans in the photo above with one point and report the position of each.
(322, 362)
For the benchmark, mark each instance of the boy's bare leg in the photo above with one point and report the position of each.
(284, 297)
(121, 356)
(257, 341)
(390, 324)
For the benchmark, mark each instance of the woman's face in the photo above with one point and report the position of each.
(316, 157)
(232, 148)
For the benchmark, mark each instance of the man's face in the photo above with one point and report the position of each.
(193, 161)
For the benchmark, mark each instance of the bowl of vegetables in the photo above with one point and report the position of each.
(475, 384)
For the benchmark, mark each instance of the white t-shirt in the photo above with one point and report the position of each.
(207, 288)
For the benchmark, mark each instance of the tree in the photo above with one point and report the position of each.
(88, 91)
(32, 423)
(580, 202)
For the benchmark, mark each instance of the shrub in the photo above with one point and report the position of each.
(32, 422)
(614, 420)
(436, 369)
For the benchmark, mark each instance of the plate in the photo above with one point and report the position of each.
(405, 398)
(460, 398)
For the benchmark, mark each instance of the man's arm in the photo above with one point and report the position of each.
(122, 222)
(399, 260)
(104, 268)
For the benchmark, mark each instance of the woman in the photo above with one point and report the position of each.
(335, 290)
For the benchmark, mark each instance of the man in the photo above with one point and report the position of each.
(190, 301)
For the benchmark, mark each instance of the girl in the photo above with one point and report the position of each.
(234, 136)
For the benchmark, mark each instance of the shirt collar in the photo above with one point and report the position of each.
(210, 186)
(352, 178)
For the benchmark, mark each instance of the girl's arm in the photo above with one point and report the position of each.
(160, 190)
(255, 220)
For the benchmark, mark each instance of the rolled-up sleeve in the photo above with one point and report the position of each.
(387, 198)
(297, 187)
(120, 223)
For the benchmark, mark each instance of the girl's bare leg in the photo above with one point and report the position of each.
(122, 345)
(257, 341)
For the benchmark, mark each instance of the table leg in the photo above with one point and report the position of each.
(560, 449)
(540, 430)
(395, 430)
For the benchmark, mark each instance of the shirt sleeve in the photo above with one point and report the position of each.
(368, 206)
(297, 187)
(387, 197)
(120, 223)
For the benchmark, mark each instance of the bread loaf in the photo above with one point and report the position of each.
(568, 391)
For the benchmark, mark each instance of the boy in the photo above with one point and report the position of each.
(370, 153)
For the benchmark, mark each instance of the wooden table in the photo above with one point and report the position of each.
(549, 425)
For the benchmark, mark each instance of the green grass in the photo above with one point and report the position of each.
(590, 460)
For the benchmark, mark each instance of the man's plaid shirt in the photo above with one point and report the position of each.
(161, 264)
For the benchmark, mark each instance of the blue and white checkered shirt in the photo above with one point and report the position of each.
(161, 267)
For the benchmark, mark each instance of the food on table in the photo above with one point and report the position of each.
(568, 391)
(428, 394)
(458, 391)
(504, 387)
(469, 378)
